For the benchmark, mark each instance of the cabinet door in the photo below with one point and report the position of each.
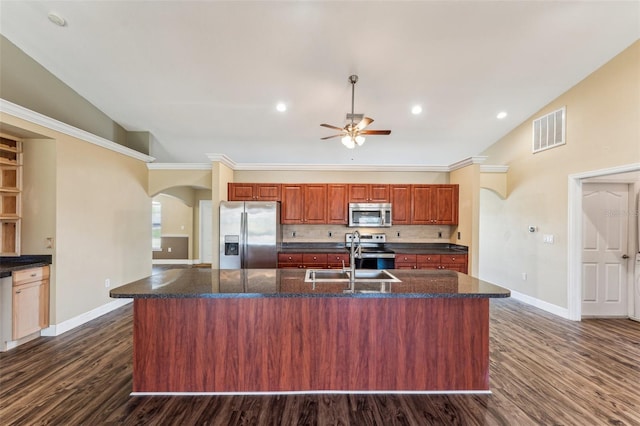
(240, 192)
(315, 203)
(400, 196)
(26, 309)
(337, 203)
(421, 200)
(267, 192)
(358, 193)
(428, 261)
(378, 193)
(405, 261)
(445, 205)
(291, 210)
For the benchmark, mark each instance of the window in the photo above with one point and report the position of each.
(156, 225)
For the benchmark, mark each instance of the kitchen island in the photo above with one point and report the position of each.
(252, 331)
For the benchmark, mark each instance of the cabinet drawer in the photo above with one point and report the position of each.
(456, 258)
(428, 258)
(289, 257)
(31, 274)
(314, 258)
(405, 258)
(336, 259)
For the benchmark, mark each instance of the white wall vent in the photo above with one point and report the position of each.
(548, 130)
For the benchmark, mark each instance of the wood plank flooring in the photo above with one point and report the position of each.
(544, 371)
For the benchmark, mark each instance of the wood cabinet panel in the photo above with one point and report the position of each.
(338, 204)
(315, 204)
(10, 195)
(291, 211)
(400, 197)
(368, 193)
(405, 261)
(445, 205)
(421, 200)
(30, 301)
(253, 192)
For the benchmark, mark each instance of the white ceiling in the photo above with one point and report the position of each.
(204, 76)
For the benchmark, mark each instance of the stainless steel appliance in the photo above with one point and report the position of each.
(249, 234)
(373, 253)
(370, 215)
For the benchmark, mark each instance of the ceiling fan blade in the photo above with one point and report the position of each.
(329, 137)
(375, 132)
(332, 127)
(364, 123)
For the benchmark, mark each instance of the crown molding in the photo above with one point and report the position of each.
(221, 158)
(179, 166)
(467, 162)
(26, 114)
(493, 168)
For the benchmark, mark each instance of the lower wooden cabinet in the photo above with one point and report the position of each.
(453, 262)
(313, 260)
(30, 301)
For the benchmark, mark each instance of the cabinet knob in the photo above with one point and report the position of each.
(18, 291)
(34, 274)
(453, 258)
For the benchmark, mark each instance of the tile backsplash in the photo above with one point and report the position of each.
(395, 234)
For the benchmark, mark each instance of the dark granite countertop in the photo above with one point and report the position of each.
(407, 248)
(240, 283)
(10, 264)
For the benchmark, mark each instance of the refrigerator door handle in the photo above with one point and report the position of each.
(243, 239)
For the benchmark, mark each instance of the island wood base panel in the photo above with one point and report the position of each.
(245, 345)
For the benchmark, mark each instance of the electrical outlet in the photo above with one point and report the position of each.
(398, 234)
(458, 234)
(48, 242)
(330, 234)
(169, 249)
(293, 234)
(107, 283)
(440, 234)
(524, 276)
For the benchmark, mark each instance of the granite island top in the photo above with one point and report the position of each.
(286, 283)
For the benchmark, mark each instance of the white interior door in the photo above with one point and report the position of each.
(206, 231)
(604, 243)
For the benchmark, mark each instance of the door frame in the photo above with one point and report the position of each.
(201, 230)
(574, 258)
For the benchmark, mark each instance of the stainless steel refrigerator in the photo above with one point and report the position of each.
(250, 234)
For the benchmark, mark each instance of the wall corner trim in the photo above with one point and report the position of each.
(466, 162)
(26, 114)
(221, 158)
(487, 168)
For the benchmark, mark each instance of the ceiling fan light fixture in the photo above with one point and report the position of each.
(359, 140)
(348, 142)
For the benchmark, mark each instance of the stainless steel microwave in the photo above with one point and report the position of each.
(370, 215)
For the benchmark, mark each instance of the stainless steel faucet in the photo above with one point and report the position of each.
(355, 252)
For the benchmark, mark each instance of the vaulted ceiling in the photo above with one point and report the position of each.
(205, 76)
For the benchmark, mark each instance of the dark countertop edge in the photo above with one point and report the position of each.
(312, 295)
(409, 248)
(10, 264)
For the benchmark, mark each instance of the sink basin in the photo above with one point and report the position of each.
(362, 275)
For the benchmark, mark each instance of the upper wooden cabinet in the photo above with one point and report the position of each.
(304, 204)
(434, 204)
(10, 195)
(400, 204)
(253, 191)
(338, 203)
(368, 193)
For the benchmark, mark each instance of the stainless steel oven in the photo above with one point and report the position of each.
(373, 255)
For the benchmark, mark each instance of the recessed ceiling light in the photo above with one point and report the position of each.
(417, 109)
(57, 19)
(501, 115)
(281, 107)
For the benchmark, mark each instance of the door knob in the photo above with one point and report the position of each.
(624, 256)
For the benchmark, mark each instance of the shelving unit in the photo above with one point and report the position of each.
(10, 194)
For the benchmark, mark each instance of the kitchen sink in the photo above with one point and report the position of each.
(336, 275)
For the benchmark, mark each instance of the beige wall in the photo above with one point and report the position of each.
(177, 220)
(602, 131)
(295, 176)
(102, 221)
(160, 180)
(468, 227)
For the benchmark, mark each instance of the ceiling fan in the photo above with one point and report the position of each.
(353, 133)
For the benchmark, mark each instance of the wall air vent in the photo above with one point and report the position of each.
(548, 130)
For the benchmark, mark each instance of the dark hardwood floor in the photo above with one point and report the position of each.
(544, 370)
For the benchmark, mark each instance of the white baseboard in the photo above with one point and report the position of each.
(64, 326)
(541, 304)
(173, 261)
